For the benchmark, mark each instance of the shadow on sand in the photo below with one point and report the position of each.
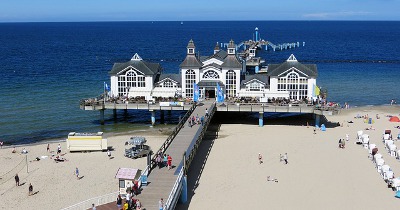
(199, 162)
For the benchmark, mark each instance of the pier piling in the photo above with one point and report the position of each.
(261, 119)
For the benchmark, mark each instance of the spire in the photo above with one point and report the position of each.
(216, 48)
(291, 58)
(190, 47)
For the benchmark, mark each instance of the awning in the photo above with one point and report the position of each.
(210, 84)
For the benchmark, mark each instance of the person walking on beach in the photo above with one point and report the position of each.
(1, 144)
(169, 162)
(59, 149)
(93, 206)
(285, 158)
(206, 112)
(48, 147)
(30, 189)
(347, 137)
(109, 154)
(161, 204)
(315, 130)
(77, 173)
(260, 159)
(16, 180)
(159, 160)
(202, 120)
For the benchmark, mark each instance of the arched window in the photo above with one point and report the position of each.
(230, 83)
(168, 84)
(295, 84)
(190, 79)
(130, 79)
(210, 75)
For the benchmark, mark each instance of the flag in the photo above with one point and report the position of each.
(220, 94)
(106, 87)
(196, 92)
(317, 90)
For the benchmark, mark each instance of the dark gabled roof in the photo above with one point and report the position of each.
(231, 61)
(220, 55)
(262, 77)
(191, 61)
(277, 69)
(146, 67)
(176, 77)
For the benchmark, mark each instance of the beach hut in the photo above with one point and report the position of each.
(127, 177)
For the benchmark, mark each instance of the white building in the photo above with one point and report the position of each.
(290, 79)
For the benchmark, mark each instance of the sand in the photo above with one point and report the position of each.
(318, 176)
(55, 184)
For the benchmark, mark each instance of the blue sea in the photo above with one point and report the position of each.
(46, 68)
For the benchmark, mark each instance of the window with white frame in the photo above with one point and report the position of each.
(295, 84)
(230, 83)
(210, 75)
(168, 84)
(130, 79)
(190, 79)
(255, 86)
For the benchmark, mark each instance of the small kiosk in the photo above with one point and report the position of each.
(127, 178)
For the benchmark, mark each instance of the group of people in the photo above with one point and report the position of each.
(131, 202)
(164, 161)
(30, 188)
(196, 120)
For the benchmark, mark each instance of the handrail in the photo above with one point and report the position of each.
(172, 198)
(171, 137)
(100, 200)
(193, 151)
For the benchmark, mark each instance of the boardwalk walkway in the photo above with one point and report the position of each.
(161, 181)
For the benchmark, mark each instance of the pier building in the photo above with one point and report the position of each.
(288, 80)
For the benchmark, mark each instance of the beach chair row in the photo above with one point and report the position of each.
(383, 169)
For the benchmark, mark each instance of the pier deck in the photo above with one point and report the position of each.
(161, 181)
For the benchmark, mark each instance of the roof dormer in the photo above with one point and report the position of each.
(291, 58)
(136, 57)
(190, 48)
(231, 48)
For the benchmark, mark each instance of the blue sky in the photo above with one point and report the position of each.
(177, 10)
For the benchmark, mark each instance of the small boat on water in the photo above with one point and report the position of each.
(181, 22)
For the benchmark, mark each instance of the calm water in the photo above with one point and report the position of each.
(47, 67)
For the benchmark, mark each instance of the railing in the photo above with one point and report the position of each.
(175, 192)
(100, 200)
(193, 151)
(171, 137)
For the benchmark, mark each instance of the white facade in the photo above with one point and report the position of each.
(290, 79)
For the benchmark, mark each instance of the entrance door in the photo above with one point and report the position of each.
(210, 93)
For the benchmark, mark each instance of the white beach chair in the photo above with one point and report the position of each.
(385, 137)
(395, 183)
(388, 143)
(365, 141)
(388, 176)
(379, 163)
(378, 156)
(392, 150)
(384, 169)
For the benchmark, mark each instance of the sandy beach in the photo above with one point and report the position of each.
(55, 184)
(319, 175)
